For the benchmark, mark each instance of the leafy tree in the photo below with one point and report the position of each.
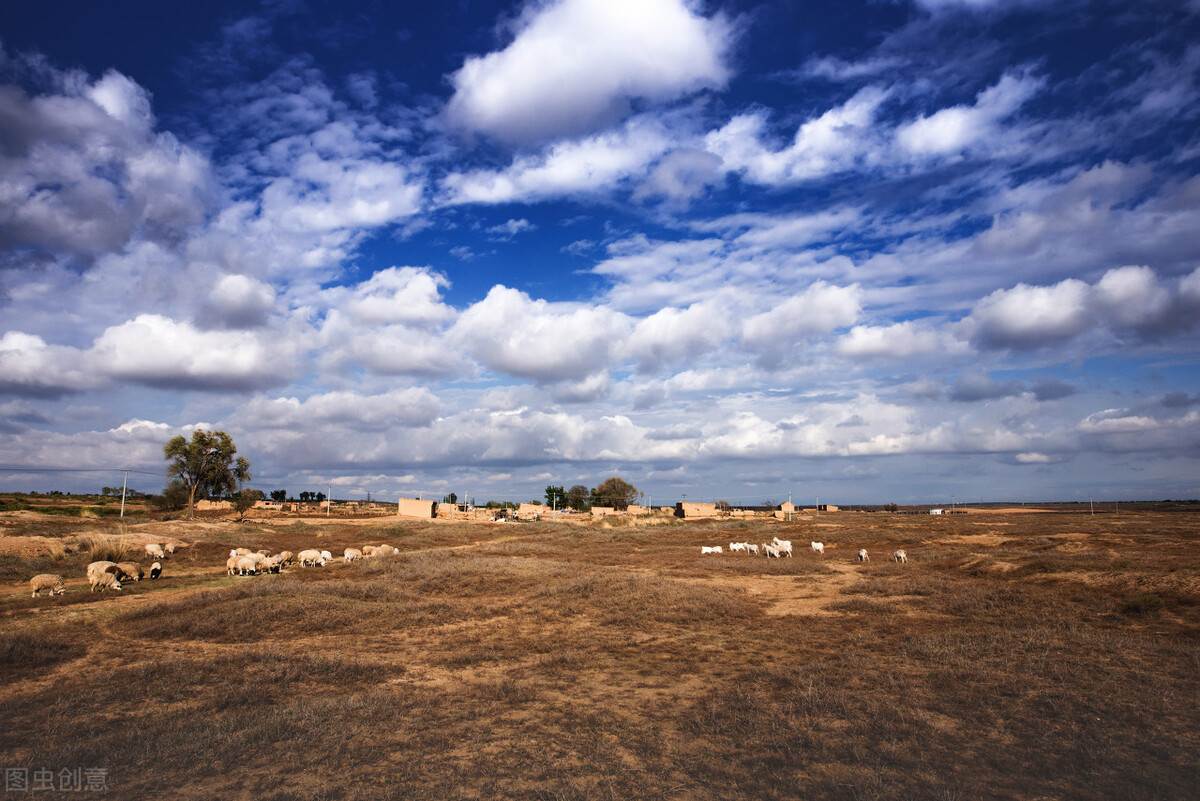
(724, 506)
(306, 496)
(319, 497)
(279, 495)
(451, 498)
(556, 497)
(206, 465)
(244, 501)
(577, 498)
(615, 492)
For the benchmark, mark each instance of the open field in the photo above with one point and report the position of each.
(1030, 656)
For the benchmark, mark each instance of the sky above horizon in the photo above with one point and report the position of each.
(882, 251)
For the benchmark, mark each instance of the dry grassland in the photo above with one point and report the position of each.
(1029, 656)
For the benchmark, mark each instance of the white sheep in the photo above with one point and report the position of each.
(104, 581)
(863, 556)
(737, 546)
(818, 547)
(156, 570)
(352, 554)
(246, 565)
(285, 558)
(900, 556)
(155, 551)
(710, 549)
(326, 556)
(99, 568)
(770, 551)
(231, 564)
(311, 557)
(241, 552)
(368, 551)
(169, 548)
(784, 546)
(273, 564)
(47, 581)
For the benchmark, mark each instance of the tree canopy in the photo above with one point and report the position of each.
(578, 497)
(615, 492)
(206, 466)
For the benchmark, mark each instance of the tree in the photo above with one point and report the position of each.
(577, 498)
(452, 498)
(615, 492)
(556, 497)
(279, 495)
(206, 465)
(244, 501)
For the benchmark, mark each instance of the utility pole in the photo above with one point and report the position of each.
(790, 506)
(1090, 507)
(329, 500)
(124, 482)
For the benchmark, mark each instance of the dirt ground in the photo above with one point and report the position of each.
(1029, 656)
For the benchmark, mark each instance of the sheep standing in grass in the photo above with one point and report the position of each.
(369, 551)
(155, 570)
(285, 558)
(326, 556)
(311, 558)
(352, 554)
(818, 547)
(100, 567)
(104, 580)
(155, 551)
(132, 570)
(900, 556)
(47, 581)
(231, 564)
(863, 556)
(247, 566)
(169, 548)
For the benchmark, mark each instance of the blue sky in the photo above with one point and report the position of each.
(899, 250)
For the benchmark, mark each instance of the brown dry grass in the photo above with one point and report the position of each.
(1030, 656)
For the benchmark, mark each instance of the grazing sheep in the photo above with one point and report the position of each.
(386, 550)
(155, 570)
(169, 548)
(352, 554)
(900, 556)
(368, 551)
(326, 556)
(231, 564)
(155, 551)
(818, 547)
(863, 556)
(274, 563)
(104, 581)
(710, 549)
(285, 558)
(131, 570)
(241, 552)
(47, 581)
(247, 566)
(99, 568)
(770, 551)
(311, 557)
(750, 548)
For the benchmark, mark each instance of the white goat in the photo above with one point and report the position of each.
(770, 551)
(737, 546)
(863, 556)
(710, 549)
(900, 556)
(819, 547)
(750, 548)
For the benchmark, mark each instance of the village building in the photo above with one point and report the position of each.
(414, 507)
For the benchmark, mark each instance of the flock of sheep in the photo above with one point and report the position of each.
(244, 562)
(106, 575)
(778, 549)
